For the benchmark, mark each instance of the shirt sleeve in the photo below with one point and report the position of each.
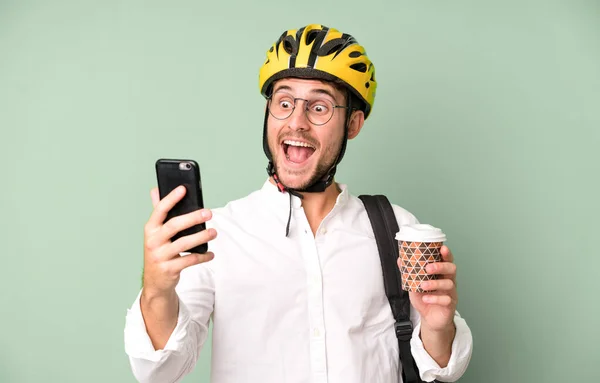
(179, 356)
(462, 348)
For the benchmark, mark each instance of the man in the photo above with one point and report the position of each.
(293, 283)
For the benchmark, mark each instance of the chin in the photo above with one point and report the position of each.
(294, 179)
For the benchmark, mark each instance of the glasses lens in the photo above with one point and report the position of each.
(281, 105)
(320, 111)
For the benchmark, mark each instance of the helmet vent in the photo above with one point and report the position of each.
(289, 45)
(355, 54)
(359, 67)
(311, 36)
(330, 47)
(367, 85)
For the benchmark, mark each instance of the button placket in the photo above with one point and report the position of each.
(314, 283)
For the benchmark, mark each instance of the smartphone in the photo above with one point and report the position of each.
(172, 173)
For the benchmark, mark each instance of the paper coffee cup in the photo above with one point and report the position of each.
(418, 245)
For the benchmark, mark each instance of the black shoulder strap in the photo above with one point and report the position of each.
(382, 217)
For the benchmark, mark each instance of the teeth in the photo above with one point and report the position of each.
(297, 143)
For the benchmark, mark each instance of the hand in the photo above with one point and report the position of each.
(437, 306)
(162, 262)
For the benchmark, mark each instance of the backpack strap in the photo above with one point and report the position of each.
(382, 217)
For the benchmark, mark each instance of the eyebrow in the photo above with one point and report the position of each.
(325, 92)
(314, 91)
(282, 87)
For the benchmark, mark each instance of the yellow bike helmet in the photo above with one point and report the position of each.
(316, 51)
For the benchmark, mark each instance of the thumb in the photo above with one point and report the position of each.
(154, 196)
(446, 254)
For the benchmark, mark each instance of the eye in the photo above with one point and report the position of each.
(319, 108)
(285, 104)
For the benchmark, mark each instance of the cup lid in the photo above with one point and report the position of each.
(420, 233)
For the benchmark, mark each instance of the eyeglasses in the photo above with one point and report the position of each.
(318, 111)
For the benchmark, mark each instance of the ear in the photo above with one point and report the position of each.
(357, 120)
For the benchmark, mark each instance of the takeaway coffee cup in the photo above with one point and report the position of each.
(419, 245)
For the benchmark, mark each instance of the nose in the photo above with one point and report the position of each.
(298, 120)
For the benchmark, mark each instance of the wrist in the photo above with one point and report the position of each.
(438, 342)
(153, 294)
(158, 299)
(448, 330)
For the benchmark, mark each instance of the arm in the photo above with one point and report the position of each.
(180, 353)
(168, 323)
(442, 342)
(459, 357)
(160, 315)
(438, 343)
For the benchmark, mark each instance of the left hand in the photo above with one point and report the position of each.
(437, 306)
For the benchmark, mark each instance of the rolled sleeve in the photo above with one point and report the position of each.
(137, 341)
(177, 358)
(462, 348)
(195, 292)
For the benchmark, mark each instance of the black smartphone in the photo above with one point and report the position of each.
(172, 173)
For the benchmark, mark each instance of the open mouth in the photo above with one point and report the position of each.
(297, 152)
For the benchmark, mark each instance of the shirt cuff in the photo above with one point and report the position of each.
(137, 341)
(462, 347)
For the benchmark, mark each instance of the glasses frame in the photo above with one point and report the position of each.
(270, 99)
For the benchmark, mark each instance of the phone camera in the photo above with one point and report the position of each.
(185, 166)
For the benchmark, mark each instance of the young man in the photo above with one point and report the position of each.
(293, 283)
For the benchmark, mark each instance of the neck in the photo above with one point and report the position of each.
(317, 205)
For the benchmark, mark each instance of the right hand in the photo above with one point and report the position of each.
(162, 262)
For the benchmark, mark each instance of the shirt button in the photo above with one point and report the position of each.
(323, 231)
(316, 332)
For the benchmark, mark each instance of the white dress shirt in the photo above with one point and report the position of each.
(302, 308)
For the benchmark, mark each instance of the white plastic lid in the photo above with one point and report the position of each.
(420, 233)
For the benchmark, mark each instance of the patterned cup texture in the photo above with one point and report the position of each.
(415, 256)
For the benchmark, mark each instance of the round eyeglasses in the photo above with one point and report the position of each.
(318, 111)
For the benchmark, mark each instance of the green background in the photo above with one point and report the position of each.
(485, 124)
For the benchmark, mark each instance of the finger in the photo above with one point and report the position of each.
(189, 241)
(438, 285)
(164, 206)
(444, 268)
(446, 254)
(186, 261)
(182, 222)
(442, 300)
(154, 196)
